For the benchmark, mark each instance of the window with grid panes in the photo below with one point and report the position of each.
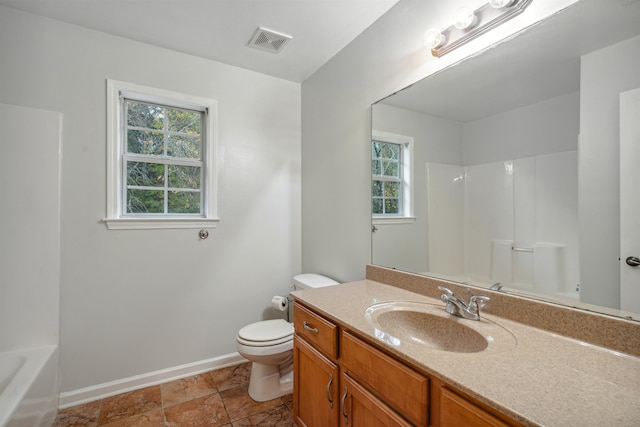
(161, 159)
(391, 178)
(386, 167)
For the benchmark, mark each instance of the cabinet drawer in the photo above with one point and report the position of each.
(403, 389)
(319, 332)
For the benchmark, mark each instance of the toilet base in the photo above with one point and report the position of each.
(270, 381)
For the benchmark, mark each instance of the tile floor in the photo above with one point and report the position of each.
(216, 398)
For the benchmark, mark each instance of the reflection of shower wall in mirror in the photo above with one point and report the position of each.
(549, 266)
(445, 218)
(524, 220)
(488, 213)
(506, 212)
(501, 269)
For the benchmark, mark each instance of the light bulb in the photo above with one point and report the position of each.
(465, 19)
(434, 39)
(499, 4)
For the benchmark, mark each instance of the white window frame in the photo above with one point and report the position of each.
(116, 217)
(407, 178)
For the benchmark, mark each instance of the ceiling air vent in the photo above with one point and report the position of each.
(268, 40)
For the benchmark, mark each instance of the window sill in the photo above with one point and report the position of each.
(159, 223)
(393, 220)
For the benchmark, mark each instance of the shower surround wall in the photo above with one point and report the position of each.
(29, 227)
(30, 140)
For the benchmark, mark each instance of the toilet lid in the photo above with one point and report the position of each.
(267, 330)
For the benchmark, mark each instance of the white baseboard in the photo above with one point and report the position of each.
(111, 388)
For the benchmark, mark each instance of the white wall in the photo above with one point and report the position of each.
(138, 301)
(604, 74)
(547, 127)
(435, 139)
(336, 123)
(29, 227)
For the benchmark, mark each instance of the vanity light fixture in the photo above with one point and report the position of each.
(469, 24)
(434, 39)
(465, 19)
(497, 4)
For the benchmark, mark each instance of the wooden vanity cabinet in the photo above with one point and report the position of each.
(342, 381)
(317, 377)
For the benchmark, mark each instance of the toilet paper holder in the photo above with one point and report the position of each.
(280, 303)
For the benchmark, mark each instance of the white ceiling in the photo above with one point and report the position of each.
(220, 30)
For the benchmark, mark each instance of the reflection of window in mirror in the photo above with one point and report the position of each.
(391, 178)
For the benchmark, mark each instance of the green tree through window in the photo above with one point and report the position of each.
(386, 183)
(163, 159)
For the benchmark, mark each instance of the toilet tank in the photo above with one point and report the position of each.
(312, 280)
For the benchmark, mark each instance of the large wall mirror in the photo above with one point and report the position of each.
(525, 164)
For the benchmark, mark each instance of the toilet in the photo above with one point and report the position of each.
(269, 346)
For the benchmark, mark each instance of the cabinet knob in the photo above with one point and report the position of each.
(309, 328)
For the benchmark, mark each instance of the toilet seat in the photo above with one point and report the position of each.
(266, 333)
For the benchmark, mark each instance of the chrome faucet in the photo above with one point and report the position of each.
(457, 307)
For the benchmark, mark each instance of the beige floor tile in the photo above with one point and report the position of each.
(207, 411)
(233, 376)
(179, 391)
(239, 405)
(85, 415)
(280, 416)
(126, 405)
(190, 402)
(153, 418)
(288, 401)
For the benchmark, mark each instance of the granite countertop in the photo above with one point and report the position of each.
(544, 380)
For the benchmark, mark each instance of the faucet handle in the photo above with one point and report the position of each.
(447, 290)
(478, 301)
(445, 297)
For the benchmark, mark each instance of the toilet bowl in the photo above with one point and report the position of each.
(268, 344)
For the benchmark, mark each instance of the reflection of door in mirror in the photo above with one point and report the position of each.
(629, 200)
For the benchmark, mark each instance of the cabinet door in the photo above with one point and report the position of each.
(456, 411)
(403, 389)
(315, 387)
(359, 408)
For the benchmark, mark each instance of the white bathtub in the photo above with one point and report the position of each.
(29, 387)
